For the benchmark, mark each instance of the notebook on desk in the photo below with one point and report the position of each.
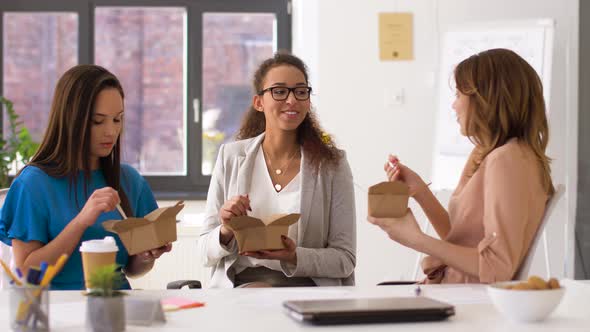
(369, 310)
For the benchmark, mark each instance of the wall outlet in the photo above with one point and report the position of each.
(394, 98)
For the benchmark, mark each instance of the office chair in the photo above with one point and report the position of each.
(541, 236)
(178, 284)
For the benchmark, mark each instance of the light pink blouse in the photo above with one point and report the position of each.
(498, 211)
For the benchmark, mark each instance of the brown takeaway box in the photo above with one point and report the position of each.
(255, 234)
(388, 199)
(156, 229)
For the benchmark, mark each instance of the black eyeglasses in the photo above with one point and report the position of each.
(281, 93)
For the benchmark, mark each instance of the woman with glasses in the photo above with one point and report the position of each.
(498, 205)
(282, 163)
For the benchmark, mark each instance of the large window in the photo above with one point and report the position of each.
(145, 48)
(233, 45)
(185, 65)
(37, 49)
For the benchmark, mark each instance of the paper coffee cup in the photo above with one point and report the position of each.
(95, 254)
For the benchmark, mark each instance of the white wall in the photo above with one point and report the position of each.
(338, 40)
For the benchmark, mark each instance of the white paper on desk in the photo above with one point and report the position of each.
(273, 297)
(457, 294)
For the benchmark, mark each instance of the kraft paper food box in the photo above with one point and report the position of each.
(388, 199)
(253, 234)
(156, 229)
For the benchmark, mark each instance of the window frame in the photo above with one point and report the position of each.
(193, 185)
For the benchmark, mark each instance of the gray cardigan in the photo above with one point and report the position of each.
(326, 241)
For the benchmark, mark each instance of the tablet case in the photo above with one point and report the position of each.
(369, 310)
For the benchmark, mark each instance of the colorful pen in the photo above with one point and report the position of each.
(33, 275)
(10, 274)
(52, 270)
(43, 266)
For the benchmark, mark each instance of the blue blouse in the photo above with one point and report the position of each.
(38, 207)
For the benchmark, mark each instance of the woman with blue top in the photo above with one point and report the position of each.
(75, 181)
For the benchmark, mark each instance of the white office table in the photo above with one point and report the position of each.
(258, 310)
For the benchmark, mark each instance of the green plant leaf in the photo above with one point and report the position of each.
(17, 141)
(106, 281)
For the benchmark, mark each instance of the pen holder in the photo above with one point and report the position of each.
(29, 309)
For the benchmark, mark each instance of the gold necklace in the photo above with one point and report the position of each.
(279, 171)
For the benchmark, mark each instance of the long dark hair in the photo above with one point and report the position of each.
(318, 146)
(66, 144)
(506, 101)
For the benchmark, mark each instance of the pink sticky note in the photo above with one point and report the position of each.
(177, 303)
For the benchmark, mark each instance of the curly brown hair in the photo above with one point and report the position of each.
(506, 101)
(319, 148)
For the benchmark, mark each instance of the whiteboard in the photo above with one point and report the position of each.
(531, 39)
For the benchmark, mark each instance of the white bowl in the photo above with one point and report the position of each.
(524, 305)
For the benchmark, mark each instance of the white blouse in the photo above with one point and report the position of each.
(266, 201)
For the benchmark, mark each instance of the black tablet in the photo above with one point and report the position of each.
(369, 310)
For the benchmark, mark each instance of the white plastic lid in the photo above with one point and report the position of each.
(107, 244)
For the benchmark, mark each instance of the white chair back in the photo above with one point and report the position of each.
(5, 251)
(541, 238)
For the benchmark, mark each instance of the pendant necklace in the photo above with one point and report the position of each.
(279, 171)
